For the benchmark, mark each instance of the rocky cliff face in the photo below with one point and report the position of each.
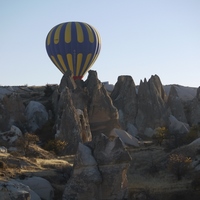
(152, 109)
(193, 110)
(103, 116)
(176, 105)
(12, 112)
(79, 110)
(124, 97)
(82, 109)
(145, 108)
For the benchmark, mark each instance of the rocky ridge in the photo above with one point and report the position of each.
(97, 126)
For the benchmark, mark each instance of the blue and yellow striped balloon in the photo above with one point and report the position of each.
(73, 46)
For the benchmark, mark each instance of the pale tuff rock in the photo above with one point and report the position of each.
(125, 137)
(16, 190)
(12, 135)
(40, 186)
(36, 115)
(175, 126)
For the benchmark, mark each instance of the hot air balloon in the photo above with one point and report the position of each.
(73, 46)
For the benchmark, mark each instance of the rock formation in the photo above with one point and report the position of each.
(95, 169)
(142, 109)
(12, 135)
(125, 100)
(86, 178)
(103, 116)
(68, 126)
(16, 190)
(126, 138)
(176, 105)
(36, 115)
(176, 126)
(193, 110)
(152, 109)
(11, 111)
(40, 186)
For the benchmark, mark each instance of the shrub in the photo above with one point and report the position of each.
(179, 165)
(48, 91)
(55, 145)
(3, 165)
(196, 182)
(160, 135)
(25, 141)
(192, 135)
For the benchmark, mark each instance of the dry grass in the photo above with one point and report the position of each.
(52, 163)
(158, 184)
(162, 181)
(44, 164)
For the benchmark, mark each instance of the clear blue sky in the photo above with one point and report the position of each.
(139, 38)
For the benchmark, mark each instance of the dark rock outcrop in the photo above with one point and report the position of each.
(193, 110)
(11, 112)
(125, 100)
(176, 105)
(15, 190)
(99, 171)
(152, 109)
(103, 116)
(68, 126)
(142, 109)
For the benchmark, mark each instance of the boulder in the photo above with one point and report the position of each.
(40, 186)
(36, 115)
(149, 132)
(177, 127)
(132, 130)
(125, 137)
(103, 115)
(12, 135)
(3, 149)
(15, 190)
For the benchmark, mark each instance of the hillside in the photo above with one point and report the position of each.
(70, 133)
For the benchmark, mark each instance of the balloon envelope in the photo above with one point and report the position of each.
(73, 46)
